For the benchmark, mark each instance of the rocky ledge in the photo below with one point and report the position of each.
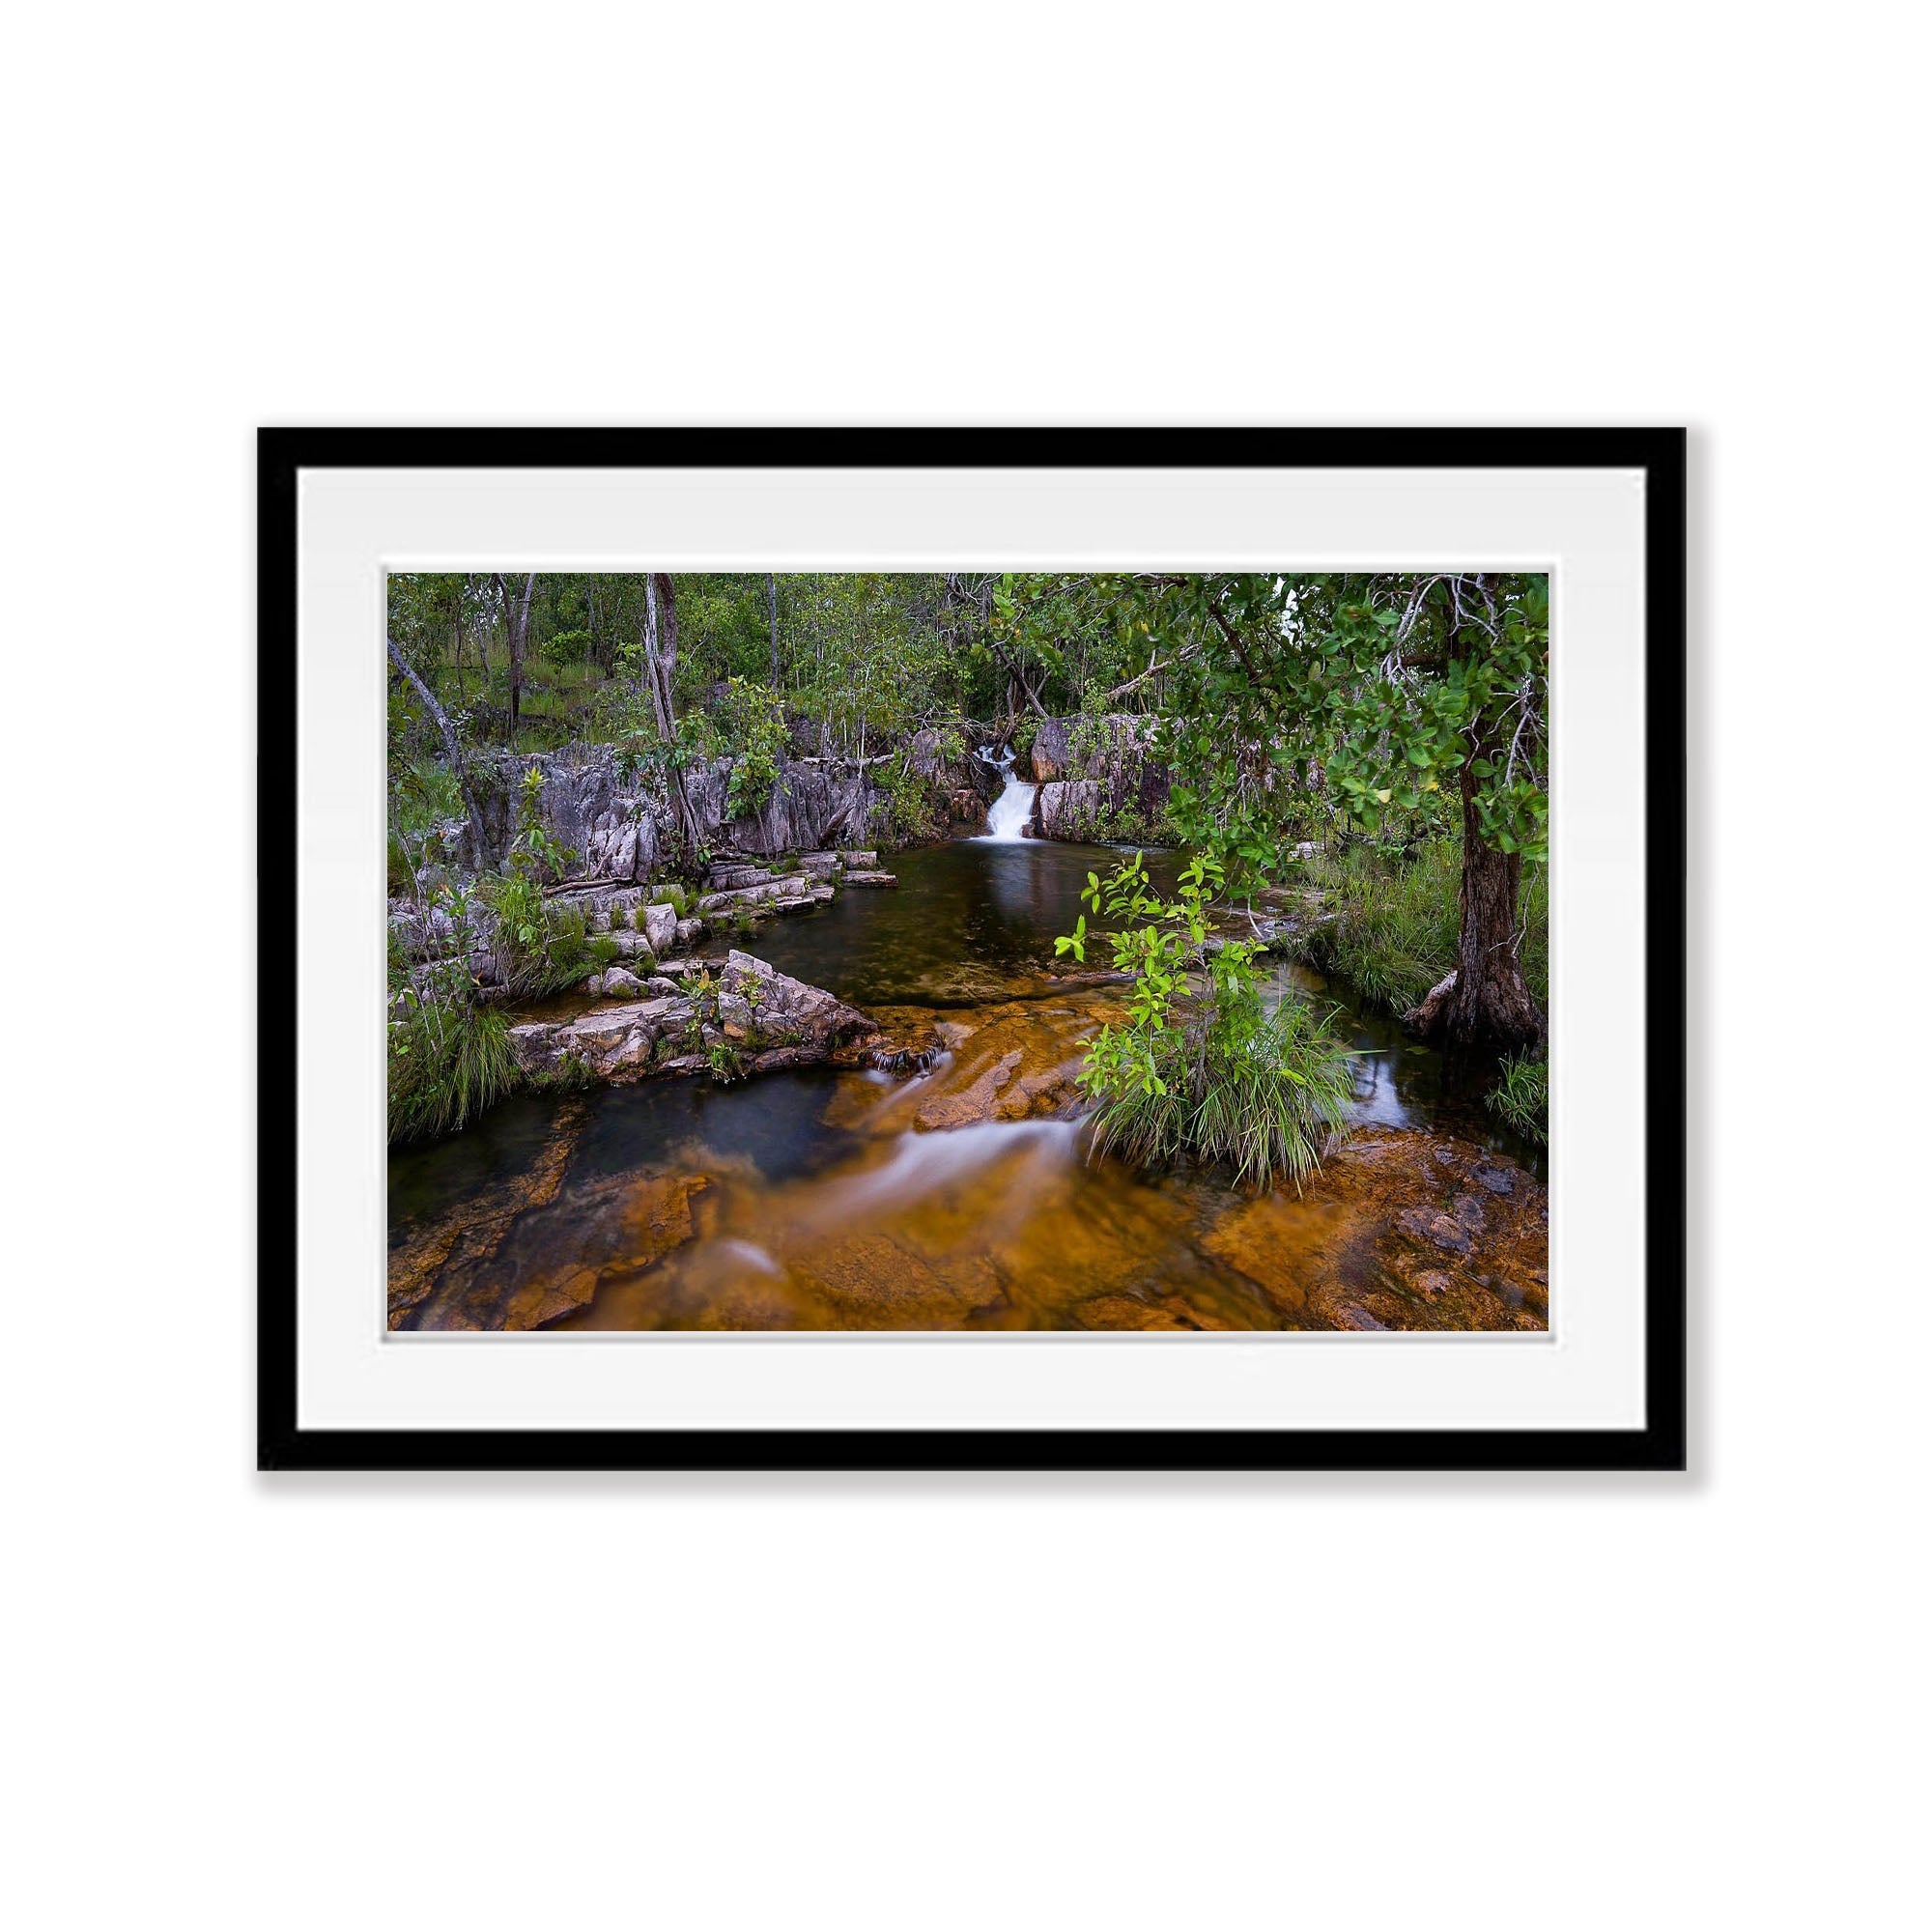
(748, 1018)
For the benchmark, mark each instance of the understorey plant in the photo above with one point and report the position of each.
(1203, 1067)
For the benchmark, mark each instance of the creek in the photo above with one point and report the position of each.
(953, 1198)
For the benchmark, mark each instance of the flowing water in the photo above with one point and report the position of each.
(1007, 817)
(956, 1197)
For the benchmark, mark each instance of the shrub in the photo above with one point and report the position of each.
(567, 647)
(540, 949)
(756, 716)
(1209, 1070)
(911, 809)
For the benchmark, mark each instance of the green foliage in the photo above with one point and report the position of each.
(448, 1061)
(758, 730)
(604, 951)
(541, 948)
(912, 816)
(1393, 919)
(1376, 693)
(1392, 925)
(676, 897)
(567, 647)
(1201, 1067)
(571, 1074)
(726, 1064)
(1521, 1096)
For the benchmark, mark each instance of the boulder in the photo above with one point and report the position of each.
(1113, 752)
(619, 984)
(1067, 808)
(622, 1042)
(689, 932)
(661, 927)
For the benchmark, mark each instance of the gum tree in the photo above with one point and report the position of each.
(1381, 693)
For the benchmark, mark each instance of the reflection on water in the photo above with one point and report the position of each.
(953, 1198)
(966, 917)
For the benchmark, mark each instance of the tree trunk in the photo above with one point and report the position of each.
(772, 584)
(452, 746)
(1485, 1002)
(516, 626)
(1489, 1004)
(657, 690)
(660, 660)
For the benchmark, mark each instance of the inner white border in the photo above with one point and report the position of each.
(1586, 526)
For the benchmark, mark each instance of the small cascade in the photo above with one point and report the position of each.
(1007, 819)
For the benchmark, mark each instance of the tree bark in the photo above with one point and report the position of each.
(1485, 1002)
(452, 746)
(772, 584)
(660, 660)
(516, 624)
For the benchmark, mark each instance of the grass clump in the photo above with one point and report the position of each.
(1397, 918)
(1201, 1068)
(448, 1061)
(676, 897)
(1521, 1096)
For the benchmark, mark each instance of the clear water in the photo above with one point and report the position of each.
(836, 1199)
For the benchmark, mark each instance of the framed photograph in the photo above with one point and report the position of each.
(970, 949)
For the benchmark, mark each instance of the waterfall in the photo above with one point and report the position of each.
(1013, 807)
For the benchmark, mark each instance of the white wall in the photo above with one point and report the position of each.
(417, 1703)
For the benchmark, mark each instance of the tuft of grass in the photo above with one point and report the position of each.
(542, 949)
(1266, 1096)
(676, 897)
(448, 1061)
(1521, 1096)
(1397, 921)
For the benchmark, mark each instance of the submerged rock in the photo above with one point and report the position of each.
(1379, 1233)
(462, 1244)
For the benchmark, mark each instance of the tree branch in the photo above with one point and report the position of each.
(451, 745)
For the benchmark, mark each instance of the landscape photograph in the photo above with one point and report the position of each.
(978, 952)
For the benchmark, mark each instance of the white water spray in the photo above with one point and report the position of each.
(1013, 807)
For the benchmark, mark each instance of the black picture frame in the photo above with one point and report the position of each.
(1660, 1444)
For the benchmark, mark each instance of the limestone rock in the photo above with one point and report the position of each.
(1067, 808)
(660, 927)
